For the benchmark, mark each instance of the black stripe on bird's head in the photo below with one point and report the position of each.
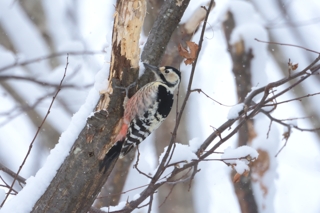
(168, 75)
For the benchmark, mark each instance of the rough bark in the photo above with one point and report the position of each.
(241, 60)
(78, 180)
(169, 17)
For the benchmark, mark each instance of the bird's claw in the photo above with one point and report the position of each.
(126, 88)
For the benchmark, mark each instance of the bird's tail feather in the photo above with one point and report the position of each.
(111, 156)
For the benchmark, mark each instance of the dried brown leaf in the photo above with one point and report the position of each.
(183, 51)
(190, 55)
(292, 66)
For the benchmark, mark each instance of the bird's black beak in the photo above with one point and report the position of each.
(153, 68)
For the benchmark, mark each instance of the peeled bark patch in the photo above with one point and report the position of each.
(125, 56)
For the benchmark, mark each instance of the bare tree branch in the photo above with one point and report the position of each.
(17, 63)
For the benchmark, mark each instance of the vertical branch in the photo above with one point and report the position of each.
(182, 197)
(164, 160)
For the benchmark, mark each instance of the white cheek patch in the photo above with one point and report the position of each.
(171, 77)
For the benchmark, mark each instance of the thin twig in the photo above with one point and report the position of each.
(42, 83)
(39, 128)
(7, 185)
(48, 57)
(165, 199)
(290, 45)
(194, 172)
(164, 160)
(201, 91)
(286, 137)
(254, 93)
(170, 157)
(177, 102)
(287, 125)
(150, 203)
(136, 165)
(270, 124)
(294, 99)
(315, 69)
(12, 173)
(298, 118)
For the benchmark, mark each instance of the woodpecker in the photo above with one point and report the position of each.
(145, 111)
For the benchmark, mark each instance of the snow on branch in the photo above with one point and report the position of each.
(239, 158)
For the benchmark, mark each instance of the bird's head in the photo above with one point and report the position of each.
(168, 75)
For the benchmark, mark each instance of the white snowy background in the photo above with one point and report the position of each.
(294, 188)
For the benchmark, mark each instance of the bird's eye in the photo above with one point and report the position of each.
(166, 71)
